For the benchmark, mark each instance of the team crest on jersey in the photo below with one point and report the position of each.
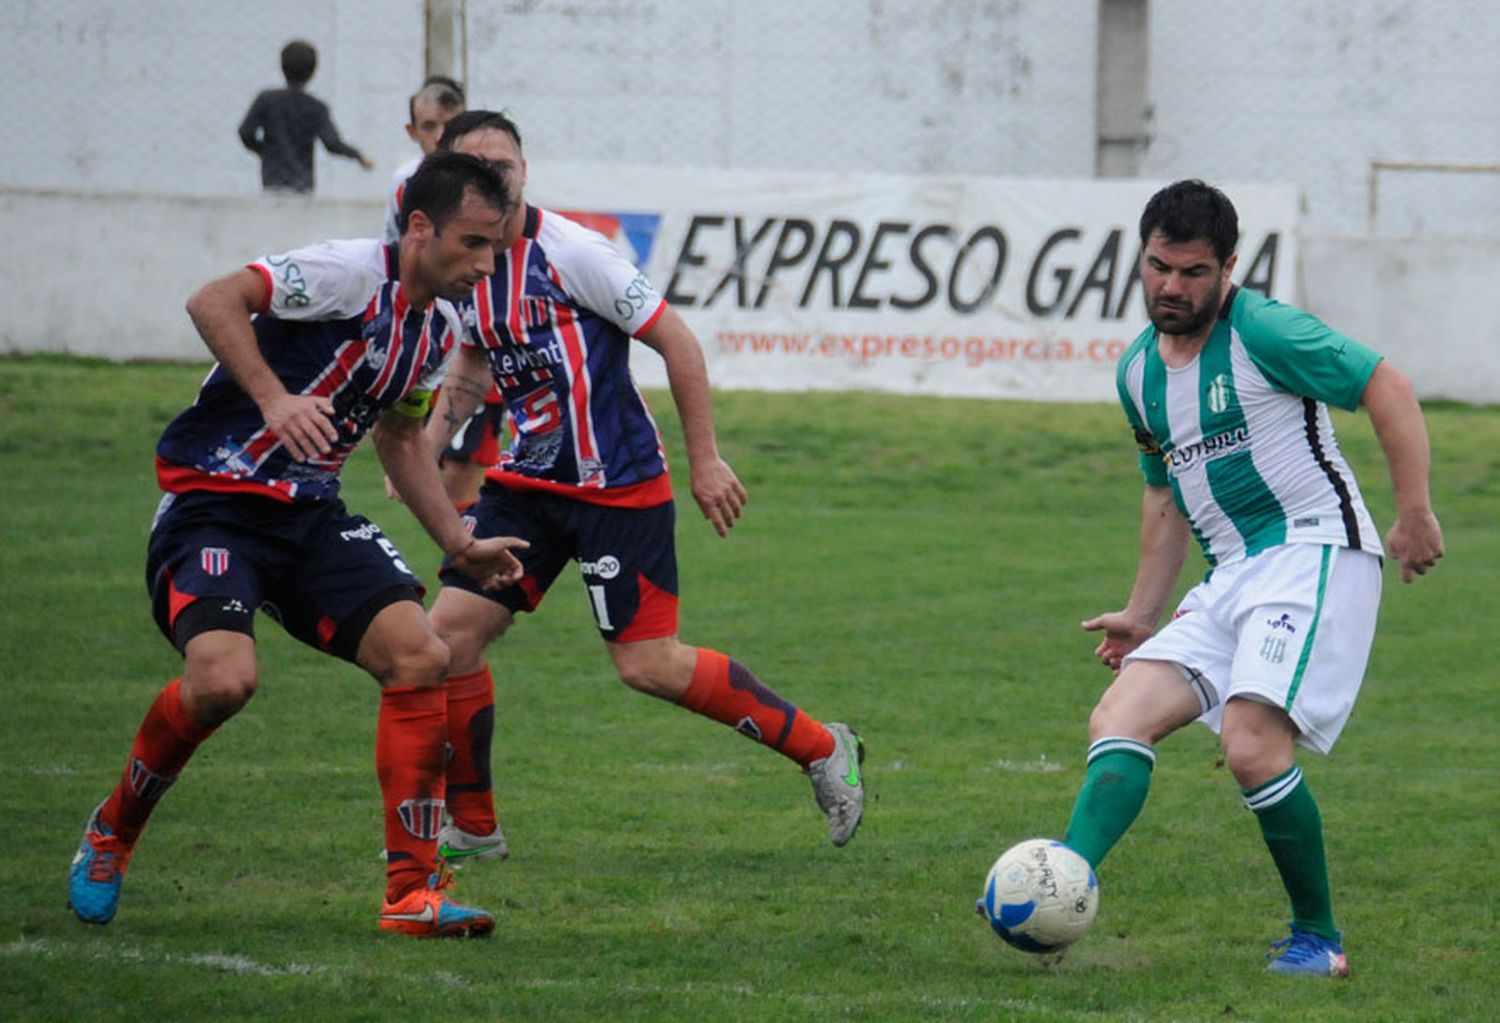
(534, 312)
(214, 560)
(375, 356)
(421, 817)
(1219, 394)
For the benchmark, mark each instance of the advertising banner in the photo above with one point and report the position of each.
(973, 287)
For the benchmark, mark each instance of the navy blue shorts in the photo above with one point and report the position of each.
(627, 556)
(215, 559)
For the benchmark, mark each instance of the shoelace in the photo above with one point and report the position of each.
(105, 865)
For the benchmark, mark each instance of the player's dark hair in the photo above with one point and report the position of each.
(440, 183)
(298, 62)
(478, 120)
(1188, 210)
(446, 92)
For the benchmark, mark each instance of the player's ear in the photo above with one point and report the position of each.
(419, 224)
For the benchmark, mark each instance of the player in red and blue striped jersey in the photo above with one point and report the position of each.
(315, 348)
(586, 480)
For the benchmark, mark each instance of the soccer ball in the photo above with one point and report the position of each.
(1040, 896)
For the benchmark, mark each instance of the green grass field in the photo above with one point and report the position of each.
(917, 567)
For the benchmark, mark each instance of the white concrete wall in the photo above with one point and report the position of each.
(1311, 91)
(1427, 305)
(146, 95)
(986, 87)
(107, 276)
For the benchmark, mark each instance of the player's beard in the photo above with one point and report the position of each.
(1183, 320)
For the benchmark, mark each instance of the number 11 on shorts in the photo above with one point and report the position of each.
(601, 609)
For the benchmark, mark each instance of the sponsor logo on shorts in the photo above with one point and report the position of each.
(368, 531)
(607, 567)
(1284, 622)
(214, 560)
(421, 817)
(234, 606)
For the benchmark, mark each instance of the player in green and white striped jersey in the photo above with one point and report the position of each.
(1228, 394)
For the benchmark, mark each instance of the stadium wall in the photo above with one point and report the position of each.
(132, 260)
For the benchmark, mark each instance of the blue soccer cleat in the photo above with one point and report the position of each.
(1305, 954)
(97, 873)
(429, 913)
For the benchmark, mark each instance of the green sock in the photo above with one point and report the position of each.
(1113, 792)
(1293, 830)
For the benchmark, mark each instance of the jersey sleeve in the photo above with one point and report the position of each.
(417, 403)
(604, 281)
(1301, 354)
(1153, 467)
(328, 281)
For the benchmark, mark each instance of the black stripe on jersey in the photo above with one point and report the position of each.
(1340, 487)
(1234, 290)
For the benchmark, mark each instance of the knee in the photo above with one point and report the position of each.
(654, 668)
(214, 689)
(1259, 742)
(1114, 715)
(637, 672)
(421, 661)
(466, 641)
(1251, 761)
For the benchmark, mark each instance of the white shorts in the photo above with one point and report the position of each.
(1291, 627)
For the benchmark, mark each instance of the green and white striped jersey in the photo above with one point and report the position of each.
(1242, 434)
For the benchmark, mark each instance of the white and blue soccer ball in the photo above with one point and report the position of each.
(1040, 896)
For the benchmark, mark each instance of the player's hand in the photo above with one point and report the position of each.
(719, 493)
(1416, 542)
(367, 163)
(302, 423)
(1122, 634)
(490, 561)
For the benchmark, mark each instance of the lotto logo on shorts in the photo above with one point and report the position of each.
(421, 817)
(215, 560)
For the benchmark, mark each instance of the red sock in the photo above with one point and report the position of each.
(166, 739)
(409, 738)
(725, 690)
(471, 726)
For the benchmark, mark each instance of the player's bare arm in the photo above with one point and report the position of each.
(408, 462)
(464, 390)
(1165, 537)
(719, 493)
(1415, 540)
(221, 310)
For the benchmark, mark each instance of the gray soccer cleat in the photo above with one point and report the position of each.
(837, 785)
(455, 845)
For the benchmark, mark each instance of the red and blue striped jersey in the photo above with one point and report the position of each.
(337, 324)
(556, 321)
